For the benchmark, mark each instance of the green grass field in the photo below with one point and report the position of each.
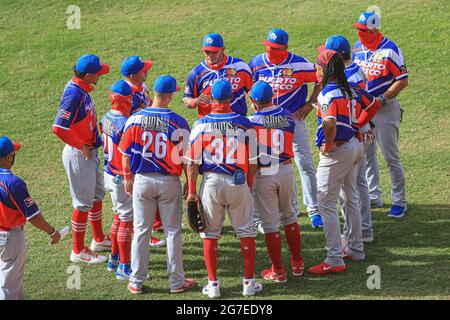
(36, 55)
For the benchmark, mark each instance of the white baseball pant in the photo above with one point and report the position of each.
(122, 203)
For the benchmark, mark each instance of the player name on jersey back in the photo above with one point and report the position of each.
(153, 139)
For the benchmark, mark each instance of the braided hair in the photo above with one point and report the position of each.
(335, 71)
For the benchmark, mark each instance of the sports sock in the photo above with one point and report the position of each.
(292, 233)
(124, 240)
(95, 218)
(273, 245)
(79, 222)
(210, 251)
(248, 253)
(113, 233)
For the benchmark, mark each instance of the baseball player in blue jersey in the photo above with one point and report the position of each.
(288, 74)
(220, 151)
(274, 187)
(76, 125)
(16, 208)
(217, 65)
(152, 148)
(383, 63)
(355, 77)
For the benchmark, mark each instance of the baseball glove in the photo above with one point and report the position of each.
(196, 216)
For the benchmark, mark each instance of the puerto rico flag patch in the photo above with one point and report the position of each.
(64, 114)
(29, 202)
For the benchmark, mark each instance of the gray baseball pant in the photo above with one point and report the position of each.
(275, 198)
(85, 178)
(13, 251)
(339, 168)
(387, 125)
(218, 194)
(153, 191)
(122, 203)
(305, 165)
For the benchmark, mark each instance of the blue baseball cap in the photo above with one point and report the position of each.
(368, 21)
(336, 43)
(165, 84)
(121, 87)
(212, 42)
(90, 63)
(276, 38)
(7, 146)
(221, 90)
(261, 91)
(133, 65)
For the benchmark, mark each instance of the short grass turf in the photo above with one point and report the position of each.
(36, 55)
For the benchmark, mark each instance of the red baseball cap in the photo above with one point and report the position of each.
(324, 57)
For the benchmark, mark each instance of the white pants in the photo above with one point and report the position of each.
(219, 194)
(154, 191)
(122, 203)
(12, 264)
(305, 165)
(339, 169)
(387, 126)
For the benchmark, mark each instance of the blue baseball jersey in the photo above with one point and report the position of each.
(355, 76)
(153, 139)
(275, 131)
(220, 143)
(288, 79)
(382, 67)
(235, 71)
(112, 126)
(334, 104)
(141, 98)
(16, 205)
(77, 115)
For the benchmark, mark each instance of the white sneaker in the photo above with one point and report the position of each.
(87, 256)
(212, 290)
(105, 245)
(156, 243)
(251, 287)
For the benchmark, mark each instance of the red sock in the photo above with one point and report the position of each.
(157, 223)
(124, 239)
(210, 251)
(292, 233)
(248, 253)
(79, 222)
(113, 233)
(273, 245)
(95, 218)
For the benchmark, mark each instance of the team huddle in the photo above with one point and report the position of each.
(246, 161)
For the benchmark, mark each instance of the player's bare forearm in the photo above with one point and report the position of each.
(127, 174)
(192, 175)
(396, 88)
(39, 222)
(315, 94)
(189, 103)
(329, 131)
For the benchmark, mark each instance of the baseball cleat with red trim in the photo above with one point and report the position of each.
(156, 243)
(188, 284)
(250, 287)
(87, 256)
(298, 269)
(212, 289)
(270, 275)
(324, 269)
(104, 245)
(134, 289)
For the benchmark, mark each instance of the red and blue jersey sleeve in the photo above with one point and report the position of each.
(68, 108)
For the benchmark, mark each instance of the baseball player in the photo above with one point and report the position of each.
(152, 151)
(356, 77)
(342, 111)
(16, 208)
(217, 65)
(76, 125)
(135, 72)
(220, 150)
(111, 129)
(383, 63)
(274, 187)
(288, 74)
